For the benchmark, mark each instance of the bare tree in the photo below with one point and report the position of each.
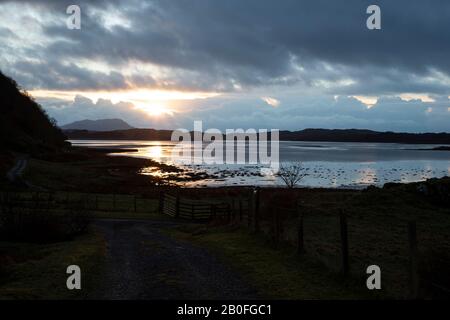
(292, 174)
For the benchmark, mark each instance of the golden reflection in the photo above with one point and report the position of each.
(154, 172)
(155, 152)
(367, 176)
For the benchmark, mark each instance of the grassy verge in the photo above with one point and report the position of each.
(38, 271)
(276, 274)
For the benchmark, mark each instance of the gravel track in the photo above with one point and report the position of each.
(145, 263)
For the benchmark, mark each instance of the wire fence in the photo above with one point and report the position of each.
(412, 253)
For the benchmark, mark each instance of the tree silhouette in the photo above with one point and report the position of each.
(292, 174)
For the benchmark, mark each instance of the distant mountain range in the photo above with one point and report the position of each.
(336, 135)
(98, 125)
(24, 125)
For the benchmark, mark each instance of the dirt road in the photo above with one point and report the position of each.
(14, 175)
(145, 263)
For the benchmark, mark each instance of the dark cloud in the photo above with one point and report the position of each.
(66, 77)
(256, 43)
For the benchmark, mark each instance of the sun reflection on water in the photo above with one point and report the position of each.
(155, 152)
(367, 176)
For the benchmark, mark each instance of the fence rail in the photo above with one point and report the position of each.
(91, 201)
(179, 207)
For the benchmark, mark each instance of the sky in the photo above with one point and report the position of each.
(285, 64)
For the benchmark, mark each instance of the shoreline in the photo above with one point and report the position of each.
(96, 170)
(200, 178)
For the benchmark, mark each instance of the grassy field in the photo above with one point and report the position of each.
(377, 231)
(94, 171)
(38, 271)
(276, 274)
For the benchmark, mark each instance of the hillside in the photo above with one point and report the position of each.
(98, 125)
(24, 125)
(351, 135)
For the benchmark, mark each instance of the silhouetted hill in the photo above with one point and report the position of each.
(98, 125)
(131, 134)
(24, 125)
(351, 135)
(357, 135)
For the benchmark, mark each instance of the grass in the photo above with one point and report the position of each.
(378, 234)
(97, 172)
(377, 228)
(65, 176)
(38, 271)
(276, 274)
(91, 172)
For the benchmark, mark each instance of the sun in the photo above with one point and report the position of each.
(153, 109)
(152, 102)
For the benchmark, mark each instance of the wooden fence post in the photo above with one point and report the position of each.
(37, 201)
(233, 210)
(213, 211)
(301, 244)
(413, 260)
(177, 206)
(240, 209)
(275, 212)
(344, 242)
(161, 202)
(256, 214)
(272, 223)
(279, 224)
(250, 209)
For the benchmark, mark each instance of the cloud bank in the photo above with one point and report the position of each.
(289, 64)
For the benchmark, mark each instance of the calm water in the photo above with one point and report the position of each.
(327, 164)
